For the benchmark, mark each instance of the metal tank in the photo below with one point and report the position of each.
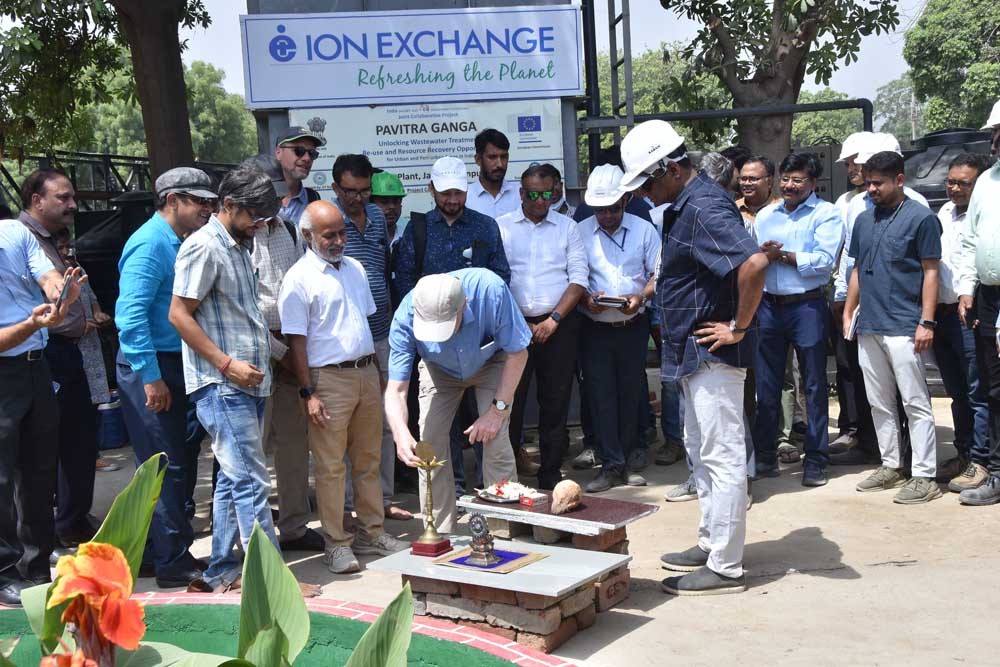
(927, 162)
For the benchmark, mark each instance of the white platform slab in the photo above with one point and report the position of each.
(563, 571)
(514, 512)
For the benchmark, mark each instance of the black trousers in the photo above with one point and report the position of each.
(987, 303)
(552, 364)
(29, 441)
(855, 412)
(77, 440)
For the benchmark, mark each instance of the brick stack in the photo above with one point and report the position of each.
(538, 621)
(612, 587)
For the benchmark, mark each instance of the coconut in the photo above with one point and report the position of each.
(565, 496)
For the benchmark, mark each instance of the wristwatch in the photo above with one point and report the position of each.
(306, 392)
(928, 324)
(556, 317)
(500, 405)
(735, 329)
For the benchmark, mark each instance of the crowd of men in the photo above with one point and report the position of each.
(280, 324)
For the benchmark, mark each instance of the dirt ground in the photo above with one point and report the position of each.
(836, 577)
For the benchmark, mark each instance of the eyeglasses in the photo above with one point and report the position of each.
(300, 151)
(659, 170)
(751, 180)
(795, 180)
(547, 195)
(965, 185)
(199, 201)
(266, 220)
(356, 194)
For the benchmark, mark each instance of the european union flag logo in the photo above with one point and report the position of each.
(529, 123)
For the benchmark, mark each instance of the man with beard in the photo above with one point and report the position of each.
(896, 247)
(326, 305)
(491, 194)
(296, 150)
(387, 194)
(226, 352)
(150, 371)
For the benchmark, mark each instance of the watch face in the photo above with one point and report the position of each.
(501, 406)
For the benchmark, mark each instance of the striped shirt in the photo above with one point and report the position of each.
(274, 252)
(371, 249)
(215, 270)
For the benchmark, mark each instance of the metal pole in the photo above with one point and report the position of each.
(590, 69)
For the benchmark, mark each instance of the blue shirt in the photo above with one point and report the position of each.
(293, 210)
(22, 264)
(472, 240)
(372, 249)
(813, 231)
(888, 248)
(704, 243)
(145, 288)
(491, 322)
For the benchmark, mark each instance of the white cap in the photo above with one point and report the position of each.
(853, 145)
(878, 142)
(994, 118)
(448, 173)
(437, 301)
(643, 147)
(604, 187)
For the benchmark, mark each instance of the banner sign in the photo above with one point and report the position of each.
(361, 58)
(407, 139)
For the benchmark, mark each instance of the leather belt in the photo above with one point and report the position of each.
(30, 355)
(537, 319)
(785, 299)
(357, 363)
(620, 324)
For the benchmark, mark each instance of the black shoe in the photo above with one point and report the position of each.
(813, 477)
(177, 579)
(766, 470)
(147, 570)
(855, 456)
(10, 592)
(58, 552)
(310, 541)
(703, 581)
(605, 480)
(684, 561)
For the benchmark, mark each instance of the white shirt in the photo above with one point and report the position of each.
(330, 307)
(621, 263)
(951, 253)
(981, 233)
(544, 258)
(481, 201)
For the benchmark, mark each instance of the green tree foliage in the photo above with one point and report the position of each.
(822, 127)
(898, 112)
(954, 57)
(222, 130)
(762, 51)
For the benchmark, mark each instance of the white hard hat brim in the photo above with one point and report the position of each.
(595, 199)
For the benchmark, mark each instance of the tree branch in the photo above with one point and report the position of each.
(730, 55)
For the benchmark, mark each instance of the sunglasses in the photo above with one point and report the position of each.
(547, 195)
(264, 220)
(199, 201)
(659, 170)
(302, 152)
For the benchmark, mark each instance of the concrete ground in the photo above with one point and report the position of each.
(836, 577)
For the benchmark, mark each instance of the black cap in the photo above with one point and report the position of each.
(270, 166)
(299, 132)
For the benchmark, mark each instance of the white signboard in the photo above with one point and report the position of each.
(407, 139)
(446, 55)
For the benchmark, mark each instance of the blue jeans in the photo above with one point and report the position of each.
(803, 325)
(171, 433)
(233, 421)
(955, 350)
(671, 412)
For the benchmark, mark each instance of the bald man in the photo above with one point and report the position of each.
(324, 304)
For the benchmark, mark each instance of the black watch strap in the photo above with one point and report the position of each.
(306, 392)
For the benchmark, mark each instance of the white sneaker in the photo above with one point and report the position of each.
(341, 560)
(383, 545)
(682, 492)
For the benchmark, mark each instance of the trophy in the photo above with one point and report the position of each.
(430, 543)
(482, 543)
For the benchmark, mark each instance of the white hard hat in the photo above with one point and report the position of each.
(643, 147)
(878, 142)
(992, 121)
(604, 187)
(853, 145)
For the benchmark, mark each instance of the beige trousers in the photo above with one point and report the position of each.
(285, 427)
(353, 399)
(440, 394)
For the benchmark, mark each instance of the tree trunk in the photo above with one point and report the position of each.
(770, 136)
(150, 28)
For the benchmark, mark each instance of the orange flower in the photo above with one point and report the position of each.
(67, 660)
(98, 581)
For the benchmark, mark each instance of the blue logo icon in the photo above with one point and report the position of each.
(282, 47)
(529, 123)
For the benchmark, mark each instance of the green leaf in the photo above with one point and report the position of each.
(385, 643)
(46, 623)
(158, 654)
(128, 520)
(270, 597)
(269, 647)
(7, 646)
